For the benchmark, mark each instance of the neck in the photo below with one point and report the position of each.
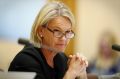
(49, 55)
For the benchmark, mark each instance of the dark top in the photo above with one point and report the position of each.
(31, 59)
(94, 69)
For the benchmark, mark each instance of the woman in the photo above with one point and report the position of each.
(51, 33)
(107, 61)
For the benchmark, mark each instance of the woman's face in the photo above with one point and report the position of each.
(106, 50)
(59, 24)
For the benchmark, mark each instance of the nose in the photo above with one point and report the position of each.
(63, 37)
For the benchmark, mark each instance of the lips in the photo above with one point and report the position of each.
(61, 45)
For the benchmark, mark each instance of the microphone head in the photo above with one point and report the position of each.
(116, 47)
(23, 41)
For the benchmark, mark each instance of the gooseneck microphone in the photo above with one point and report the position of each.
(24, 41)
(116, 47)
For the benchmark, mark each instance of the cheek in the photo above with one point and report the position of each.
(48, 39)
(57, 42)
(68, 40)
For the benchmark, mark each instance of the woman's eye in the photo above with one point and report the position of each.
(56, 30)
(68, 31)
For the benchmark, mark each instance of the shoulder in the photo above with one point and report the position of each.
(28, 57)
(28, 53)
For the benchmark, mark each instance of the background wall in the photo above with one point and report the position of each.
(94, 18)
(16, 19)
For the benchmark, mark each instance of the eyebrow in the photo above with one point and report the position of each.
(55, 27)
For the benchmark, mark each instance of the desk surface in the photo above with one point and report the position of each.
(17, 75)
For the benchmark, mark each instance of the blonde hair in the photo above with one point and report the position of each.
(48, 12)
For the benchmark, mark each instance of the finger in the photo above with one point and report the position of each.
(86, 63)
(83, 60)
(77, 56)
(70, 56)
(83, 68)
(83, 57)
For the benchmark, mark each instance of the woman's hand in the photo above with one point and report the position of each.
(77, 66)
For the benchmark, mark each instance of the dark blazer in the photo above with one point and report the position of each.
(31, 59)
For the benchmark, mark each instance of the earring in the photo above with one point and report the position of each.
(41, 36)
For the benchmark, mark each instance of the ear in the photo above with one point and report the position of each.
(40, 31)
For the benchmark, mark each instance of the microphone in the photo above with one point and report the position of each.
(23, 41)
(116, 47)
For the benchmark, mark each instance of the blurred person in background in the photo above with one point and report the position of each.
(50, 34)
(107, 61)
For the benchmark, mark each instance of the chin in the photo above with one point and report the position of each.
(60, 50)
